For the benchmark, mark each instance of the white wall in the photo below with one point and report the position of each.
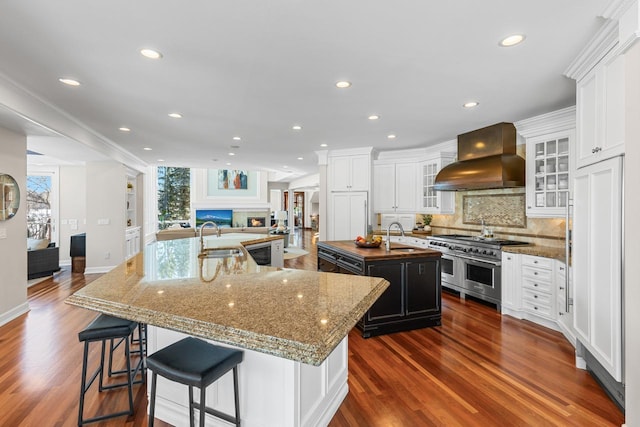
(106, 191)
(73, 207)
(13, 248)
(632, 234)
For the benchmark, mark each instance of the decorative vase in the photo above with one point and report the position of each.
(427, 228)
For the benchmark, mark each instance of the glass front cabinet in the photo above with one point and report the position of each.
(432, 201)
(548, 174)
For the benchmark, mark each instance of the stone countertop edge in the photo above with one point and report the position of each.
(312, 354)
(541, 251)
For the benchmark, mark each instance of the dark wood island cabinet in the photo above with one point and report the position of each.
(413, 299)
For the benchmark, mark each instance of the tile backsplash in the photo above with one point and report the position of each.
(540, 231)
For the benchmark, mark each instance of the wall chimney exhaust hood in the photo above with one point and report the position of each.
(486, 159)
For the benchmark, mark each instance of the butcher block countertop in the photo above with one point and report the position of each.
(398, 251)
(293, 314)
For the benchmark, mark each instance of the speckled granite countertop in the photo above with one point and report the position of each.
(294, 314)
(543, 251)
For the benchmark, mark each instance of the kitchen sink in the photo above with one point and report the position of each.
(220, 253)
(403, 249)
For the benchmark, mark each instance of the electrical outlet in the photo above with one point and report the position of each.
(3, 233)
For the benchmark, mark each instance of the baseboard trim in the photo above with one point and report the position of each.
(98, 270)
(8, 316)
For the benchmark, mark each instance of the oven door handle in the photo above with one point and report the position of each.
(481, 261)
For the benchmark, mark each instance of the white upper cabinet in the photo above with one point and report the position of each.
(394, 187)
(550, 141)
(600, 102)
(430, 200)
(350, 172)
(549, 174)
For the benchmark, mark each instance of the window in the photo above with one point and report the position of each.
(174, 198)
(39, 192)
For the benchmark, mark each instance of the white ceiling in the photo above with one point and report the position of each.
(254, 68)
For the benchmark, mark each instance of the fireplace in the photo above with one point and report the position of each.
(256, 221)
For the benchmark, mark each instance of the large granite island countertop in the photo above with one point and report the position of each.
(293, 314)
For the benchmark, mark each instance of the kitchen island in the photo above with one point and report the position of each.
(291, 324)
(413, 299)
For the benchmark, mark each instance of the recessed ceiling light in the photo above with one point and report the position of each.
(124, 129)
(175, 115)
(69, 82)
(470, 104)
(232, 154)
(285, 166)
(150, 53)
(161, 160)
(147, 148)
(374, 117)
(237, 138)
(228, 164)
(391, 136)
(512, 40)
(343, 84)
(296, 127)
(300, 158)
(324, 145)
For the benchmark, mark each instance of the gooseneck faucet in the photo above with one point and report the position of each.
(202, 228)
(387, 244)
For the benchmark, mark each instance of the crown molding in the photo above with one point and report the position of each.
(604, 40)
(547, 123)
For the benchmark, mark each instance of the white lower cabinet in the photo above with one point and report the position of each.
(529, 289)
(564, 310)
(132, 241)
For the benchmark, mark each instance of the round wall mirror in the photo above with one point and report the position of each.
(9, 197)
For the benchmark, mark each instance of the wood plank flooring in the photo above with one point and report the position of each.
(478, 368)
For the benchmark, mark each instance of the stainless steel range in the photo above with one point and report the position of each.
(471, 265)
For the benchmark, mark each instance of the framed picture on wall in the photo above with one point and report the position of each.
(229, 179)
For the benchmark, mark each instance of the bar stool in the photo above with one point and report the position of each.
(108, 328)
(195, 363)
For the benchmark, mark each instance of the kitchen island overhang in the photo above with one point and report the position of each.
(282, 317)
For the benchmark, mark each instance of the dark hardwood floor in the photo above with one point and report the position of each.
(478, 368)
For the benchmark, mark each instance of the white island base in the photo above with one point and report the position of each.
(274, 391)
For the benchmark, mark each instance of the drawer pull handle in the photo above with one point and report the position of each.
(535, 262)
(535, 308)
(561, 288)
(561, 268)
(535, 284)
(535, 273)
(535, 296)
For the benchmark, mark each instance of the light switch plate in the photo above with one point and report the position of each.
(3, 233)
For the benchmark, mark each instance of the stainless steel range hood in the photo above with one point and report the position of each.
(486, 159)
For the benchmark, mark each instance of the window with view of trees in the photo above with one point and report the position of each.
(39, 206)
(174, 196)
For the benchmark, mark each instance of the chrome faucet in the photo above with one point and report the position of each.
(483, 232)
(387, 244)
(202, 228)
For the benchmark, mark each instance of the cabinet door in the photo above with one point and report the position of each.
(430, 200)
(548, 174)
(384, 188)
(405, 187)
(511, 281)
(597, 262)
(349, 215)
(390, 305)
(340, 173)
(360, 173)
(423, 287)
(600, 104)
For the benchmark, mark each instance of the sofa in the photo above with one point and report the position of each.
(183, 233)
(43, 258)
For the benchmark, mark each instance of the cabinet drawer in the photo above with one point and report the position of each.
(538, 262)
(537, 274)
(539, 309)
(540, 298)
(537, 285)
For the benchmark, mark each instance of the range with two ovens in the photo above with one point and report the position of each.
(472, 265)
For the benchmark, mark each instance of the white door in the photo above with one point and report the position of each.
(349, 215)
(597, 262)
